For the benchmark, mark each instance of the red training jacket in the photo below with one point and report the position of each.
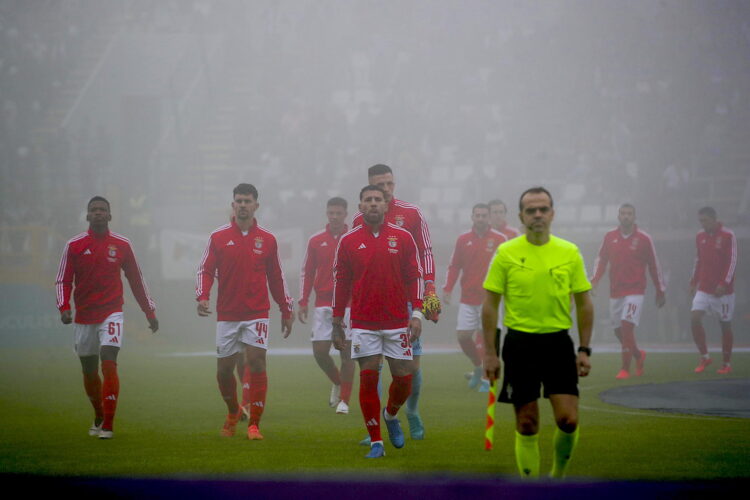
(317, 268)
(409, 217)
(380, 275)
(628, 258)
(246, 267)
(716, 260)
(472, 256)
(91, 264)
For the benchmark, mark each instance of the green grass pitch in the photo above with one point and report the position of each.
(170, 413)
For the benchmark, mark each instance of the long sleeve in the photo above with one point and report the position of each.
(137, 283)
(277, 283)
(424, 246)
(696, 265)
(412, 272)
(454, 268)
(729, 262)
(654, 269)
(342, 281)
(600, 265)
(307, 275)
(64, 280)
(206, 272)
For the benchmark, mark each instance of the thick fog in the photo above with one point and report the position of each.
(164, 106)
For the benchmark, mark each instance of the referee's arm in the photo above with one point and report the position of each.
(585, 320)
(489, 327)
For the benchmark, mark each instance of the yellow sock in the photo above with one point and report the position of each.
(564, 445)
(527, 454)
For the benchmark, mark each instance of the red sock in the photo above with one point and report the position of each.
(93, 386)
(699, 337)
(346, 391)
(246, 386)
(398, 393)
(228, 390)
(258, 389)
(726, 344)
(110, 392)
(627, 330)
(369, 402)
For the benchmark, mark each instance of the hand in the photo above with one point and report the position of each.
(286, 325)
(203, 309)
(593, 290)
(720, 291)
(153, 324)
(431, 304)
(66, 317)
(446, 297)
(415, 329)
(584, 364)
(302, 314)
(491, 366)
(338, 336)
(692, 290)
(661, 299)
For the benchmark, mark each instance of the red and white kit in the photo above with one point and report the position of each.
(471, 256)
(247, 266)
(380, 275)
(716, 260)
(409, 217)
(510, 232)
(92, 263)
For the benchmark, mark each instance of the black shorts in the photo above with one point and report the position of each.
(534, 359)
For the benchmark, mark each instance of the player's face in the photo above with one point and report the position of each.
(336, 215)
(244, 207)
(98, 214)
(497, 216)
(537, 213)
(480, 217)
(384, 182)
(626, 216)
(707, 222)
(373, 207)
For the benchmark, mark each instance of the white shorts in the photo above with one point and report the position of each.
(390, 343)
(322, 326)
(231, 335)
(469, 318)
(90, 338)
(721, 307)
(626, 308)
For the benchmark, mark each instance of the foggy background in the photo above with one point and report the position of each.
(164, 106)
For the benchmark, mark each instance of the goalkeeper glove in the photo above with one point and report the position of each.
(431, 303)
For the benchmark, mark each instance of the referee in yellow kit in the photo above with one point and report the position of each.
(537, 273)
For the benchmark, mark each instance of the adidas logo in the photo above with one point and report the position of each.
(258, 403)
(230, 243)
(87, 252)
(372, 423)
(246, 386)
(469, 244)
(361, 246)
(111, 397)
(324, 244)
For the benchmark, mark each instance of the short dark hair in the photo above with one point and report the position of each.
(337, 201)
(534, 190)
(245, 188)
(370, 187)
(497, 201)
(480, 205)
(710, 211)
(627, 205)
(378, 169)
(98, 198)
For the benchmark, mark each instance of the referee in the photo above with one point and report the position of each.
(537, 274)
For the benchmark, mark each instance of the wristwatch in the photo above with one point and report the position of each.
(587, 350)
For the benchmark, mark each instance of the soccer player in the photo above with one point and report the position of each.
(377, 268)
(713, 286)
(317, 273)
(498, 219)
(409, 217)
(244, 257)
(629, 251)
(470, 259)
(90, 268)
(536, 274)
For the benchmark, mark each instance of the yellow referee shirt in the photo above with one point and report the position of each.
(537, 282)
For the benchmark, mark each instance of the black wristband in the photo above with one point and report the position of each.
(587, 350)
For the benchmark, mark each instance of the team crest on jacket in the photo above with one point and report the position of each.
(490, 245)
(634, 244)
(392, 244)
(112, 253)
(399, 220)
(718, 243)
(258, 245)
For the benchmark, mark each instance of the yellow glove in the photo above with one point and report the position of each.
(431, 303)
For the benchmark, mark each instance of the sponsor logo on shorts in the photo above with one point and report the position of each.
(357, 347)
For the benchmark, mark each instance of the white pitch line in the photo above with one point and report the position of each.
(655, 414)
